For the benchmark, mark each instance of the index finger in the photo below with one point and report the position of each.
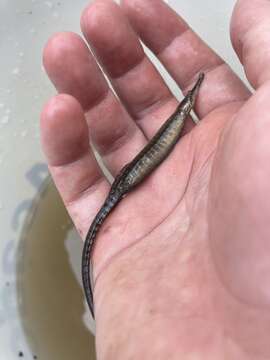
(251, 38)
(184, 53)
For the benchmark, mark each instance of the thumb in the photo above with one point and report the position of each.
(239, 203)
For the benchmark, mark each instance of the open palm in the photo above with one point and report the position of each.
(182, 265)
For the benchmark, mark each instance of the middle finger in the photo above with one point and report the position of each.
(137, 82)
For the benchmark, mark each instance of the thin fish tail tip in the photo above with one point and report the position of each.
(92, 314)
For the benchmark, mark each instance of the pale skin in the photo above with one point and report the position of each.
(182, 266)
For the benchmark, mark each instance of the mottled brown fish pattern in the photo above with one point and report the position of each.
(132, 174)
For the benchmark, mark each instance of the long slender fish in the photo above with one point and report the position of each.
(132, 174)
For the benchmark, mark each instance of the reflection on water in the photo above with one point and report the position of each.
(50, 297)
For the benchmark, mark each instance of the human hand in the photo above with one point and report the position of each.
(182, 265)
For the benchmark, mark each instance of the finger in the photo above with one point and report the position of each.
(250, 35)
(184, 54)
(71, 162)
(240, 182)
(74, 71)
(133, 76)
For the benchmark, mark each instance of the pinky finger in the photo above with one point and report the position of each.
(75, 171)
